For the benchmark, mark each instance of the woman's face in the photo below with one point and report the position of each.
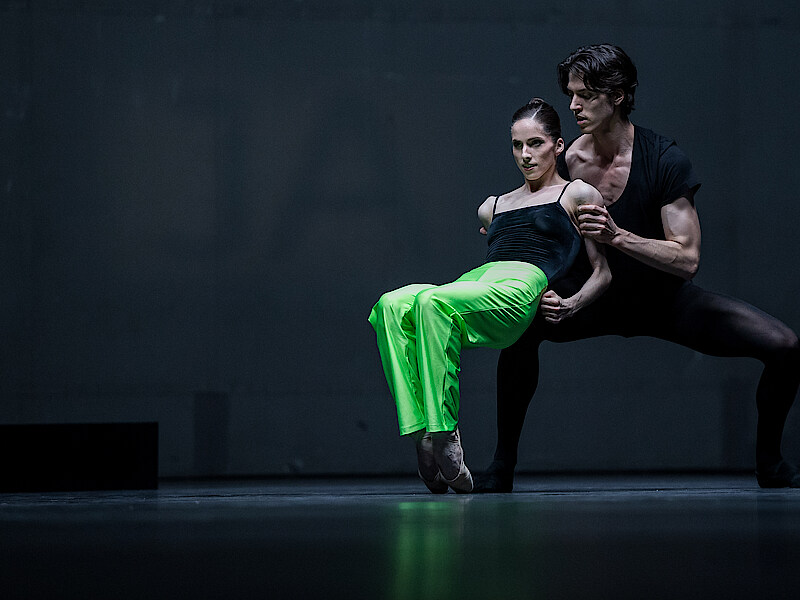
(534, 150)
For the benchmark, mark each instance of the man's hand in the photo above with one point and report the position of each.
(554, 308)
(595, 223)
(483, 231)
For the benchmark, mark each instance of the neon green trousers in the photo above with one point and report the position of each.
(421, 329)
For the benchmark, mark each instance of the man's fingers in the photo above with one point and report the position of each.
(590, 231)
(599, 219)
(584, 209)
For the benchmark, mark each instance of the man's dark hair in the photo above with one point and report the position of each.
(603, 68)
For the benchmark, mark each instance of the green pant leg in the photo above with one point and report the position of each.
(392, 318)
(490, 306)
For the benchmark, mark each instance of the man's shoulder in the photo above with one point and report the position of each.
(659, 147)
(651, 139)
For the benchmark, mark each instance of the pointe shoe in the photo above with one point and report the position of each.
(449, 456)
(461, 483)
(437, 485)
(427, 469)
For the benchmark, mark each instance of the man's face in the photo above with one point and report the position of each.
(592, 110)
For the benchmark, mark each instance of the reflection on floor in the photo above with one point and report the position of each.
(554, 537)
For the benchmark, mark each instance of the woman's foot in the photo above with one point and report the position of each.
(426, 464)
(449, 457)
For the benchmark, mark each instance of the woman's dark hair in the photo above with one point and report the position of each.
(603, 68)
(544, 114)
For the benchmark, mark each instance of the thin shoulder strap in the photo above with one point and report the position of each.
(494, 208)
(564, 189)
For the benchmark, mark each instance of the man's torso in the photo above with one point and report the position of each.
(635, 183)
(609, 177)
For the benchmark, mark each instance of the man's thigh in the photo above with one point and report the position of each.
(719, 325)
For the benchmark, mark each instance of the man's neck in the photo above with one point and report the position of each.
(616, 140)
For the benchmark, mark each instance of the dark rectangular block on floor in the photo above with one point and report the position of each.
(72, 457)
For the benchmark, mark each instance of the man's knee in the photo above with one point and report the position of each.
(791, 344)
(784, 345)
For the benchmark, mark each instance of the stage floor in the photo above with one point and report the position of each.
(554, 537)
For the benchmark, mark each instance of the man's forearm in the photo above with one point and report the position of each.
(665, 255)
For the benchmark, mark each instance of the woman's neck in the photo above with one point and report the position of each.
(543, 182)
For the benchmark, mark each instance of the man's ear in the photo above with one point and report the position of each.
(617, 96)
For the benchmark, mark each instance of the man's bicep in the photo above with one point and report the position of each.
(681, 223)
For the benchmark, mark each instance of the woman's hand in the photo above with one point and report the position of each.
(555, 308)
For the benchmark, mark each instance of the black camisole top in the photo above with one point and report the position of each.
(542, 235)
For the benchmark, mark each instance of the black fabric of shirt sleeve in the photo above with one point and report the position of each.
(677, 178)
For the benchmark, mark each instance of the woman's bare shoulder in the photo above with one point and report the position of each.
(581, 192)
(486, 209)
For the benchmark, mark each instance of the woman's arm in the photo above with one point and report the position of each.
(554, 307)
(485, 213)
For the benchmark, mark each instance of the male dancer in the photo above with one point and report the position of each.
(651, 234)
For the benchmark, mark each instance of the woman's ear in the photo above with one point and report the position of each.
(559, 146)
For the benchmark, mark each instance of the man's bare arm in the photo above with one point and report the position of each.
(678, 254)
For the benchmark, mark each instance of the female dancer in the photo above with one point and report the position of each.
(421, 328)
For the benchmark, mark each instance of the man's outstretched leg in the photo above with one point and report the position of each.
(719, 325)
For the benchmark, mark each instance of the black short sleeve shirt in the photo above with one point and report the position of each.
(660, 174)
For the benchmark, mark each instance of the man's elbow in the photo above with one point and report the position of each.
(692, 266)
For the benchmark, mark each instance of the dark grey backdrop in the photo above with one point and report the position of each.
(202, 200)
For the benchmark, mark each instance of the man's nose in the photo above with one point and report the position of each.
(573, 104)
